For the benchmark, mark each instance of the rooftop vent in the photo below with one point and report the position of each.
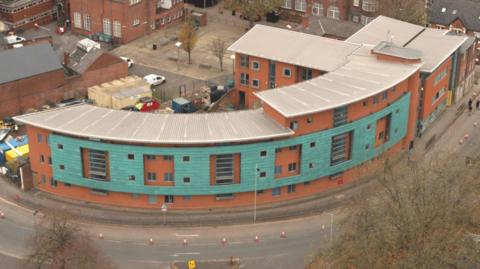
(443, 10)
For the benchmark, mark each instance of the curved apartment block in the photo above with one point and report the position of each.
(329, 112)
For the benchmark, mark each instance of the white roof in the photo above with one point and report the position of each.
(363, 76)
(137, 127)
(292, 47)
(386, 29)
(436, 46)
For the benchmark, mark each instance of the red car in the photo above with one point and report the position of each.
(147, 104)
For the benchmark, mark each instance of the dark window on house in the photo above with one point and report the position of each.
(294, 125)
(67, 184)
(97, 164)
(311, 165)
(168, 177)
(260, 192)
(340, 148)
(39, 138)
(186, 180)
(150, 157)
(384, 95)
(312, 144)
(340, 116)
(291, 188)
(224, 172)
(224, 196)
(276, 192)
(367, 146)
(306, 183)
(263, 174)
(186, 158)
(168, 157)
(131, 177)
(255, 65)
(59, 146)
(278, 169)
(375, 99)
(309, 120)
(368, 127)
(42, 158)
(53, 182)
(243, 60)
(292, 167)
(169, 199)
(99, 192)
(292, 147)
(365, 103)
(244, 79)
(50, 160)
(278, 150)
(255, 83)
(62, 167)
(287, 72)
(151, 176)
(307, 73)
(263, 153)
(131, 157)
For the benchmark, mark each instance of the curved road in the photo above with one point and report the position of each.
(129, 246)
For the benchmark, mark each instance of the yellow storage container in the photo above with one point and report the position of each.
(12, 154)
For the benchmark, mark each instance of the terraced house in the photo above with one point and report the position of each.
(316, 119)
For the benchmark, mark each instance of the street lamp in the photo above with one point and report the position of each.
(331, 226)
(178, 44)
(233, 63)
(255, 195)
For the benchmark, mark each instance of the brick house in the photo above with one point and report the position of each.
(32, 76)
(461, 16)
(24, 13)
(123, 21)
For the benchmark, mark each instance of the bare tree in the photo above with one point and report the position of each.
(219, 47)
(418, 217)
(188, 37)
(59, 244)
(412, 11)
(253, 10)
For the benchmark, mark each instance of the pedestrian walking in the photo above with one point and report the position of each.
(478, 104)
(470, 107)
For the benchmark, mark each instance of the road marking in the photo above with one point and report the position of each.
(184, 254)
(113, 241)
(187, 235)
(140, 244)
(203, 244)
(236, 243)
(13, 204)
(8, 254)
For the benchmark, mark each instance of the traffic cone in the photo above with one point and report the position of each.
(224, 241)
(185, 242)
(256, 239)
(151, 242)
(466, 136)
(100, 236)
(460, 141)
(283, 235)
(2, 215)
(475, 124)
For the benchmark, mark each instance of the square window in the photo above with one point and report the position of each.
(309, 120)
(367, 146)
(62, 167)
(131, 177)
(39, 138)
(292, 167)
(277, 150)
(294, 125)
(260, 192)
(306, 183)
(311, 165)
(67, 184)
(131, 157)
(365, 103)
(291, 188)
(168, 177)
(263, 174)
(59, 146)
(263, 153)
(278, 169)
(167, 157)
(169, 199)
(255, 65)
(276, 192)
(292, 147)
(287, 72)
(312, 144)
(186, 158)
(151, 176)
(186, 180)
(368, 127)
(42, 158)
(255, 83)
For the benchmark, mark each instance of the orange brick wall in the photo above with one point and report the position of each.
(286, 156)
(430, 89)
(158, 166)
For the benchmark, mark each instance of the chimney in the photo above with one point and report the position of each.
(66, 58)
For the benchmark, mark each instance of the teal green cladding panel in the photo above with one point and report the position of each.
(198, 168)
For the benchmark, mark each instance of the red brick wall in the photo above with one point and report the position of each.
(159, 166)
(29, 12)
(430, 89)
(286, 156)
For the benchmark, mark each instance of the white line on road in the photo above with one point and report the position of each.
(236, 243)
(184, 254)
(187, 235)
(203, 244)
(113, 241)
(13, 204)
(5, 253)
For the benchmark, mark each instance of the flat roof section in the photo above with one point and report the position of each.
(136, 127)
(386, 29)
(436, 46)
(363, 76)
(292, 47)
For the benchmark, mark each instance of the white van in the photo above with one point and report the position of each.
(13, 39)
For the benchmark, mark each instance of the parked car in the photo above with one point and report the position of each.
(154, 79)
(129, 61)
(147, 104)
(13, 39)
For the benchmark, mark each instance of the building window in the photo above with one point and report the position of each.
(136, 22)
(291, 188)
(294, 125)
(307, 73)
(294, 147)
(340, 116)
(77, 20)
(438, 95)
(169, 199)
(366, 20)
(168, 177)
(277, 150)
(59, 146)
(96, 163)
(131, 156)
(365, 103)
(340, 148)
(99, 192)
(312, 144)
(375, 99)
(263, 174)
(87, 22)
(278, 169)
(224, 172)
(292, 167)
(301, 5)
(287, 4)
(186, 180)
(244, 79)
(168, 157)
(384, 95)
(186, 158)
(356, 3)
(53, 182)
(187, 197)
(61, 167)
(259, 192)
(224, 196)
(355, 18)
(107, 27)
(263, 153)
(317, 9)
(39, 138)
(50, 160)
(133, 2)
(117, 29)
(309, 120)
(42, 158)
(243, 60)
(440, 76)
(333, 12)
(131, 177)
(255, 83)
(255, 65)
(287, 72)
(370, 5)
(150, 157)
(311, 165)
(151, 176)
(276, 191)
(306, 183)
